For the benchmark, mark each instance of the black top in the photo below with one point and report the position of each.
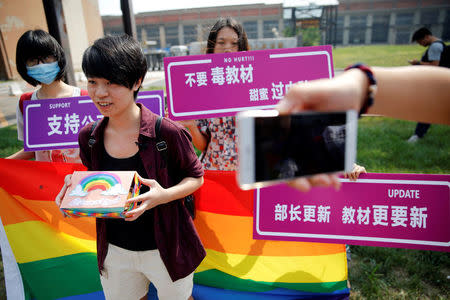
(137, 235)
(178, 242)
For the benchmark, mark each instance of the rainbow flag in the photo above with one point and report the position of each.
(238, 266)
(48, 256)
(55, 257)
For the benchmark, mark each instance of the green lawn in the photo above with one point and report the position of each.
(379, 55)
(8, 141)
(387, 273)
(382, 147)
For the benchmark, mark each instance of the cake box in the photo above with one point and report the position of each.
(100, 194)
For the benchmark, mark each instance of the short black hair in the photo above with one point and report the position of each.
(420, 34)
(35, 44)
(233, 24)
(118, 59)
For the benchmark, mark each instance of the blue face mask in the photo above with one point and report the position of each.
(44, 73)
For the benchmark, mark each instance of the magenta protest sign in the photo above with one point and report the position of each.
(55, 123)
(213, 85)
(387, 210)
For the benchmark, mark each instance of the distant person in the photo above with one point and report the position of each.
(431, 57)
(40, 60)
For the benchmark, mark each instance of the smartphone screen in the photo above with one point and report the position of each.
(299, 145)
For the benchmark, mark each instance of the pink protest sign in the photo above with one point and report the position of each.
(213, 85)
(386, 210)
(55, 123)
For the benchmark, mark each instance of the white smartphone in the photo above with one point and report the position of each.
(274, 148)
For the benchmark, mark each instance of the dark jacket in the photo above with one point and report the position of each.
(176, 237)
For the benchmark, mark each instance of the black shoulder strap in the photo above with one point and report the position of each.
(161, 145)
(439, 42)
(91, 138)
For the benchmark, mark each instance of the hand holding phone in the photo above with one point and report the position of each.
(274, 148)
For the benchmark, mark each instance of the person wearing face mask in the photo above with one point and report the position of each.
(40, 60)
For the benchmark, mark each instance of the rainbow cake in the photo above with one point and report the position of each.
(100, 194)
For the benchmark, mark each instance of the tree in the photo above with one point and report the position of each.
(310, 36)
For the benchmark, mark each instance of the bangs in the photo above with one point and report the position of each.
(37, 45)
(96, 65)
(233, 24)
(101, 64)
(119, 59)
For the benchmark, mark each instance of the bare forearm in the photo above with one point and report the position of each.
(198, 139)
(418, 93)
(23, 155)
(186, 187)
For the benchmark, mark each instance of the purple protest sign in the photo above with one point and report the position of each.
(55, 123)
(213, 85)
(386, 210)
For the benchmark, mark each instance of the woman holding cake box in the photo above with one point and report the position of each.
(157, 241)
